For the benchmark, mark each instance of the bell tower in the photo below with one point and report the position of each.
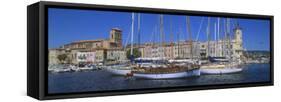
(238, 42)
(116, 36)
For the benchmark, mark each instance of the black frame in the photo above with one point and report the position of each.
(37, 53)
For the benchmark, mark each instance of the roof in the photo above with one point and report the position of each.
(116, 29)
(85, 41)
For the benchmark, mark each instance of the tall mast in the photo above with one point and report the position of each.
(154, 32)
(178, 45)
(190, 35)
(162, 34)
(228, 36)
(215, 45)
(139, 42)
(225, 39)
(171, 33)
(208, 38)
(218, 32)
(172, 39)
(132, 33)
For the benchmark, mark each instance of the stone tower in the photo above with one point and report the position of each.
(238, 42)
(116, 37)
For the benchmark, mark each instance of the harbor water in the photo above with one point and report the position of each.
(101, 80)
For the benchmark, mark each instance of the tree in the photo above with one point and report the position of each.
(62, 57)
(136, 53)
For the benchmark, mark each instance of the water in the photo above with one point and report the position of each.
(105, 81)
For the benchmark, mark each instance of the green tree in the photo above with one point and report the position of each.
(62, 57)
(136, 53)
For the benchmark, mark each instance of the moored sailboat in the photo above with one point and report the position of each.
(221, 65)
(168, 69)
(121, 70)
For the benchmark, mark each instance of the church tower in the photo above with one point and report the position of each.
(238, 42)
(116, 37)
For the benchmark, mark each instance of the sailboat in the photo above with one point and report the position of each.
(222, 65)
(166, 70)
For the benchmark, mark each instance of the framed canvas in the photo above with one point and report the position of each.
(81, 50)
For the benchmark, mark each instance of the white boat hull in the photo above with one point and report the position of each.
(195, 72)
(120, 72)
(220, 71)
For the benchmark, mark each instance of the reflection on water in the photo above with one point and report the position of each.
(102, 80)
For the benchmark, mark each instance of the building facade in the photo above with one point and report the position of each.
(117, 55)
(227, 47)
(91, 51)
(99, 51)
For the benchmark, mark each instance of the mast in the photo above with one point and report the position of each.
(139, 42)
(218, 32)
(208, 38)
(178, 36)
(132, 33)
(171, 33)
(224, 40)
(215, 45)
(228, 36)
(197, 36)
(190, 36)
(172, 39)
(162, 35)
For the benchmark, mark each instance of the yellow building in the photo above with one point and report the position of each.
(98, 48)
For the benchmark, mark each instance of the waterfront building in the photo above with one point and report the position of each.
(231, 47)
(85, 57)
(116, 54)
(52, 56)
(100, 55)
(147, 53)
(114, 41)
(95, 51)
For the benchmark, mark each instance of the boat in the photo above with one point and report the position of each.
(221, 65)
(218, 59)
(120, 70)
(169, 72)
(168, 69)
(220, 69)
(59, 68)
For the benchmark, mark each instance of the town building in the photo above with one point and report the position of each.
(114, 41)
(86, 57)
(53, 56)
(231, 47)
(116, 54)
(91, 51)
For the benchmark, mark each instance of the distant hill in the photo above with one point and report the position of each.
(257, 53)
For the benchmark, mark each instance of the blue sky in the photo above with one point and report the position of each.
(68, 25)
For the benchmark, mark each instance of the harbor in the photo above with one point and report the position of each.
(158, 50)
(101, 80)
